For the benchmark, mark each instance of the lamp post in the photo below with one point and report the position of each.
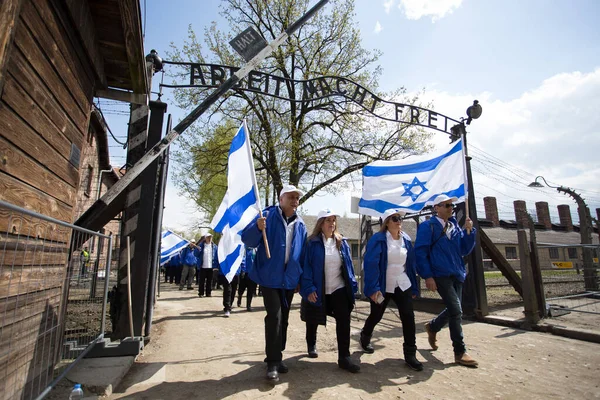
(474, 292)
(585, 229)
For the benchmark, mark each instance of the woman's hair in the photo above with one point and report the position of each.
(317, 231)
(383, 227)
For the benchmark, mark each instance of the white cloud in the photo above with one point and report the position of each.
(436, 9)
(551, 130)
(378, 27)
(387, 5)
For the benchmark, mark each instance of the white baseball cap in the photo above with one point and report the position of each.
(290, 189)
(392, 211)
(208, 234)
(326, 213)
(442, 197)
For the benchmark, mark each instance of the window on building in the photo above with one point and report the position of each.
(511, 252)
(553, 253)
(88, 183)
(354, 250)
(572, 252)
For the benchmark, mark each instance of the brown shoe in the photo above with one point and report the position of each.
(466, 360)
(431, 336)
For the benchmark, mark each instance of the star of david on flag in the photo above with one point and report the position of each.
(414, 182)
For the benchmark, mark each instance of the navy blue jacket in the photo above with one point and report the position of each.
(438, 256)
(376, 261)
(200, 255)
(273, 272)
(313, 273)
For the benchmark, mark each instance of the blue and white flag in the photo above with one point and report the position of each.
(239, 206)
(414, 182)
(170, 244)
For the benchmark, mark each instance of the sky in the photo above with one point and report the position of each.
(533, 65)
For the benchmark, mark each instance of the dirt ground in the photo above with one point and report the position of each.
(195, 352)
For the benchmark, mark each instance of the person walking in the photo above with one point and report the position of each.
(328, 285)
(279, 275)
(207, 262)
(229, 290)
(440, 246)
(189, 261)
(245, 282)
(390, 274)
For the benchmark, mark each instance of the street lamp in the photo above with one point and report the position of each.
(585, 229)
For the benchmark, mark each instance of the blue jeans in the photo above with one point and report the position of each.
(450, 289)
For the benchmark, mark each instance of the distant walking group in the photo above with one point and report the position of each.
(319, 265)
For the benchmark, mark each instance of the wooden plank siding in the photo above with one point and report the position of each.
(9, 17)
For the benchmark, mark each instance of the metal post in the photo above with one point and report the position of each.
(474, 292)
(106, 279)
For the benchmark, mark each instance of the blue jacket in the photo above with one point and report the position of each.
(438, 256)
(200, 255)
(174, 261)
(313, 274)
(187, 256)
(248, 259)
(273, 272)
(376, 261)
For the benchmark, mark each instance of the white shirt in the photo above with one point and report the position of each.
(207, 256)
(289, 234)
(450, 228)
(395, 275)
(333, 266)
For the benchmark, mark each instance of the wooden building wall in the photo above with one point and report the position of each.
(45, 105)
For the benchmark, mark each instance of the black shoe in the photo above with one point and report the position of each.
(272, 373)
(349, 365)
(248, 308)
(190, 288)
(208, 295)
(282, 368)
(200, 295)
(412, 362)
(365, 343)
(239, 303)
(312, 352)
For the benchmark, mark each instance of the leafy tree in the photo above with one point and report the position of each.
(312, 144)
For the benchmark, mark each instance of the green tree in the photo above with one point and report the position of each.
(312, 144)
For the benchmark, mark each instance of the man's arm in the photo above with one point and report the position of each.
(251, 235)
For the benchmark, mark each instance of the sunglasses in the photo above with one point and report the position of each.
(446, 205)
(395, 218)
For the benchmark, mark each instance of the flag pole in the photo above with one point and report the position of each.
(255, 186)
(464, 160)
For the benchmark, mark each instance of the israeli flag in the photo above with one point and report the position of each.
(170, 244)
(239, 206)
(414, 182)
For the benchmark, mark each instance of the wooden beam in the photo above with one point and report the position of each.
(132, 32)
(121, 95)
(82, 19)
(9, 17)
(498, 259)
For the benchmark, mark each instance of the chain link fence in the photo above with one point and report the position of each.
(54, 279)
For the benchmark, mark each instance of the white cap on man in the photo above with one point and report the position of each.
(326, 213)
(290, 189)
(392, 211)
(208, 234)
(442, 197)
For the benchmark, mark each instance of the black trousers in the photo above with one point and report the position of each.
(336, 302)
(178, 271)
(229, 290)
(403, 300)
(247, 283)
(277, 303)
(206, 276)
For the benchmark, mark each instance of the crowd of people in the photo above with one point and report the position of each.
(318, 265)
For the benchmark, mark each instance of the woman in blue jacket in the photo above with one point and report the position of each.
(328, 285)
(390, 273)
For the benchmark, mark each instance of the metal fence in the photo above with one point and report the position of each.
(54, 279)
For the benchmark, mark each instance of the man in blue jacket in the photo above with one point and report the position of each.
(207, 262)
(188, 259)
(439, 248)
(279, 275)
